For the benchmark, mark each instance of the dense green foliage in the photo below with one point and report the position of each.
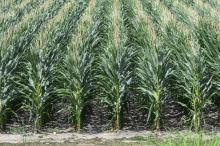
(76, 51)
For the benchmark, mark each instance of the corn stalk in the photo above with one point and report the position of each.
(40, 63)
(191, 73)
(208, 37)
(76, 75)
(75, 72)
(8, 67)
(113, 65)
(153, 73)
(36, 85)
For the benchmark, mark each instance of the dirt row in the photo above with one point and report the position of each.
(96, 118)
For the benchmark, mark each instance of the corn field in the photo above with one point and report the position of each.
(59, 56)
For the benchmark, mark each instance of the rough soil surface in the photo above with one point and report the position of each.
(69, 137)
(98, 138)
(97, 118)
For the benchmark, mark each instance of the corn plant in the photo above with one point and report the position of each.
(178, 10)
(14, 32)
(153, 72)
(113, 65)
(213, 3)
(75, 72)
(115, 77)
(19, 43)
(37, 85)
(203, 10)
(40, 65)
(150, 64)
(8, 67)
(76, 75)
(21, 36)
(18, 13)
(193, 83)
(192, 72)
(100, 32)
(65, 30)
(208, 35)
(152, 10)
(53, 28)
(7, 6)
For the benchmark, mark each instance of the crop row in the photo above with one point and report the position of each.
(78, 51)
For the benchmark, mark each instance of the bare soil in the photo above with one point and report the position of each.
(124, 136)
(69, 137)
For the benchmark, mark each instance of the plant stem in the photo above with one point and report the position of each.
(78, 110)
(117, 122)
(78, 123)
